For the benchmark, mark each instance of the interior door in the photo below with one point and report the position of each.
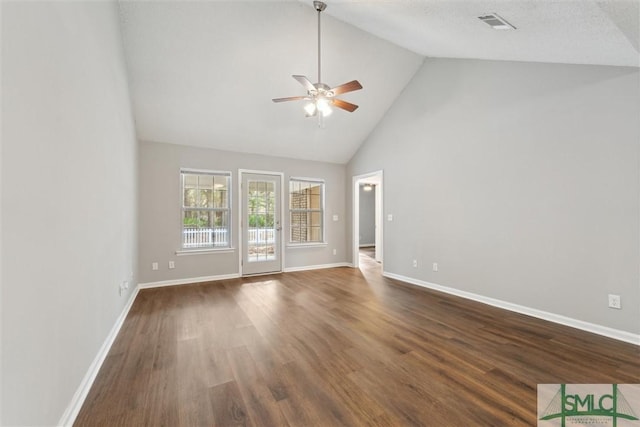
(261, 223)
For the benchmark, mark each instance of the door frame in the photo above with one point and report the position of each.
(379, 206)
(241, 212)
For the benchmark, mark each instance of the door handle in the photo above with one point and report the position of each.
(278, 228)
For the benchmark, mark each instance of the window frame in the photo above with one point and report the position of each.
(229, 228)
(321, 210)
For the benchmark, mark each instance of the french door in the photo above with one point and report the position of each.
(261, 223)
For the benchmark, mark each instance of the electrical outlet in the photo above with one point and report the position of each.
(154, 266)
(123, 287)
(172, 264)
(335, 252)
(614, 301)
(435, 266)
(415, 263)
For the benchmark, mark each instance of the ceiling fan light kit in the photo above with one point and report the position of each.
(320, 95)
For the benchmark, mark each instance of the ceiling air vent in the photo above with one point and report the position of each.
(496, 22)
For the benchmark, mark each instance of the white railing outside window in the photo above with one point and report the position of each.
(261, 235)
(205, 237)
(218, 237)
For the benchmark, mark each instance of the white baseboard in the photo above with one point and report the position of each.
(317, 267)
(188, 281)
(544, 315)
(81, 393)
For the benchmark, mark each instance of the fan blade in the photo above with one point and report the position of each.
(347, 87)
(304, 81)
(345, 105)
(291, 98)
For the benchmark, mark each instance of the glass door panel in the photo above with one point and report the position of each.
(261, 228)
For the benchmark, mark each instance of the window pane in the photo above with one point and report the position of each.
(294, 189)
(315, 201)
(190, 190)
(306, 211)
(298, 226)
(315, 234)
(315, 219)
(205, 195)
(205, 212)
(190, 197)
(196, 219)
(296, 235)
(206, 229)
(298, 219)
(190, 180)
(190, 219)
(294, 200)
(206, 198)
(315, 196)
(220, 188)
(261, 235)
(220, 221)
(269, 187)
(205, 181)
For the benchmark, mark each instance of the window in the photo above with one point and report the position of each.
(205, 209)
(306, 208)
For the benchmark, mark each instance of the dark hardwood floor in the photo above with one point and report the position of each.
(337, 347)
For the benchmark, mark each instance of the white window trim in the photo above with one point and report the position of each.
(307, 245)
(323, 242)
(204, 250)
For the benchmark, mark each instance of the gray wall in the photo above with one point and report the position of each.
(159, 221)
(367, 224)
(520, 180)
(68, 199)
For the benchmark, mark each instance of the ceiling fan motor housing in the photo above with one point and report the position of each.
(322, 89)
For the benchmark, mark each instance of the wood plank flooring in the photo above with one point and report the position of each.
(337, 347)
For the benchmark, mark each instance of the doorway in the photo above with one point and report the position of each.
(261, 222)
(369, 183)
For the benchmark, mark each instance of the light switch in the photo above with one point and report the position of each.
(335, 217)
(390, 217)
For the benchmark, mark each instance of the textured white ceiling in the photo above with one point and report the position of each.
(563, 31)
(203, 73)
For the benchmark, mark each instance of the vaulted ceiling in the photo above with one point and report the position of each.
(203, 73)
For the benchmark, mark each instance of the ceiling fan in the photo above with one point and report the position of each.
(320, 95)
